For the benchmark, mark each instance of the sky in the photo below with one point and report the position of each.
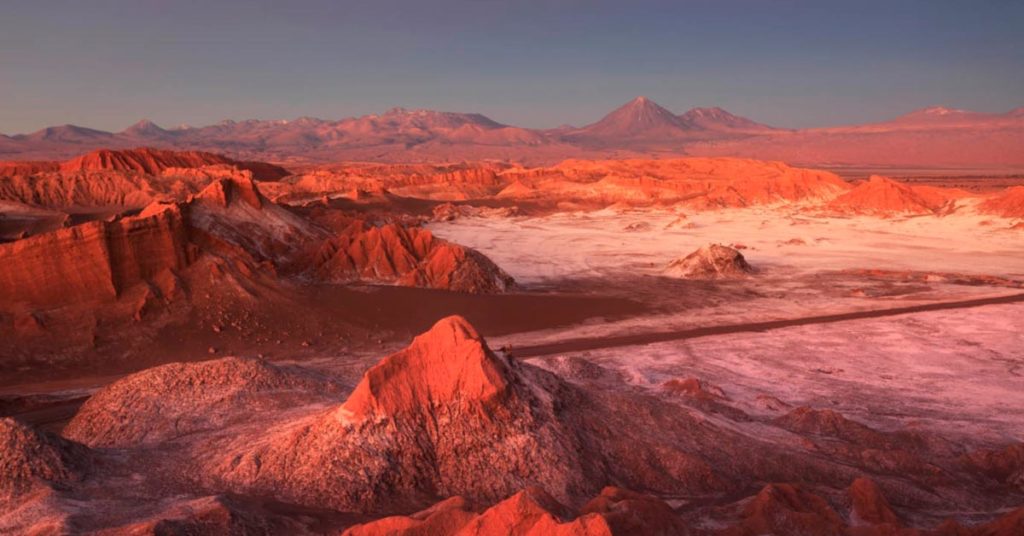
(108, 63)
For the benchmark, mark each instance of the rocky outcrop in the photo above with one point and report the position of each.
(868, 506)
(95, 261)
(451, 212)
(712, 261)
(787, 509)
(12, 168)
(448, 417)
(446, 517)
(31, 458)
(233, 210)
(149, 161)
(210, 516)
(828, 423)
(122, 179)
(425, 422)
(361, 181)
(225, 192)
(188, 397)
(99, 261)
(882, 196)
(700, 183)
(1009, 203)
(1004, 466)
(532, 512)
(64, 190)
(628, 512)
(407, 256)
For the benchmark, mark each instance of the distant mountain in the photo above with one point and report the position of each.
(718, 120)
(147, 130)
(930, 137)
(67, 134)
(640, 118)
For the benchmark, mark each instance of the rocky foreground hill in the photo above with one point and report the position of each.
(478, 442)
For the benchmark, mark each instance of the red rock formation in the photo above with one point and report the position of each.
(1005, 466)
(791, 509)
(150, 161)
(444, 518)
(825, 422)
(426, 421)
(224, 192)
(532, 512)
(122, 179)
(59, 190)
(868, 506)
(450, 364)
(94, 261)
(187, 397)
(143, 160)
(233, 210)
(787, 509)
(712, 261)
(364, 182)
(517, 190)
(31, 458)
(451, 212)
(447, 417)
(26, 167)
(628, 512)
(1009, 203)
(881, 196)
(102, 261)
(210, 516)
(702, 183)
(407, 256)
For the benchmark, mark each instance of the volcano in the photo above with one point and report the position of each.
(638, 119)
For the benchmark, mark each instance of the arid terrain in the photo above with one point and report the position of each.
(193, 343)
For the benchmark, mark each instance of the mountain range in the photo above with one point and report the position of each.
(930, 137)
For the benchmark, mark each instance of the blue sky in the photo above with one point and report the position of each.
(106, 63)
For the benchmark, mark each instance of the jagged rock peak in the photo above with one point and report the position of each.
(227, 190)
(450, 364)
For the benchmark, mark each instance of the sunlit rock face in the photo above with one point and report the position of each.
(407, 256)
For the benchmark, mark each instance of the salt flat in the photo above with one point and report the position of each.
(959, 372)
(600, 243)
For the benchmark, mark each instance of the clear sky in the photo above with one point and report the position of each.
(109, 63)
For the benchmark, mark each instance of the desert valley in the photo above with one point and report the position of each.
(781, 296)
(195, 344)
